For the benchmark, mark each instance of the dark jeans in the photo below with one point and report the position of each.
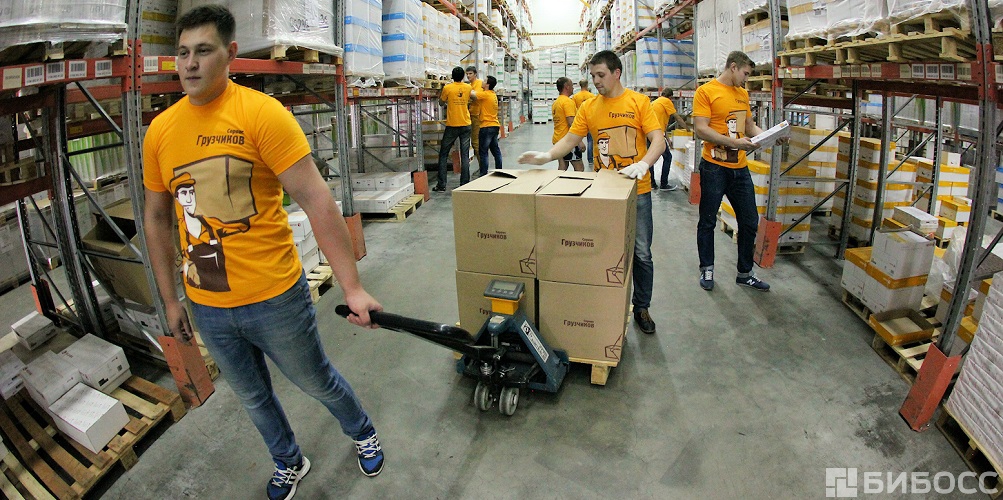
(588, 144)
(666, 164)
(449, 136)
(716, 182)
(489, 141)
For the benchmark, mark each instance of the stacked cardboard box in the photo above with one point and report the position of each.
(33, 330)
(916, 220)
(10, 374)
(953, 180)
(796, 199)
(822, 160)
(974, 402)
(675, 64)
(304, 239)
(892, 274)
(363, 45)
(863, 204)
(102, 365)
(379, 192)
(88, 416)
(525, 226)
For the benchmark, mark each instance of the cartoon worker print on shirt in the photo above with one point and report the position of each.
(736, 129)
(202, 250)
(617, 147)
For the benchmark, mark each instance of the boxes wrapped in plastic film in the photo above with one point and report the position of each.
(363, 42)
(262, 25)
(403, 40)
(719, 28)
(61, 21)
(855, 17)
(807, 18)
(904, 10)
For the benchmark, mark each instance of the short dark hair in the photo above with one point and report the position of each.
(666, 92)
(561, 82)
(216, 15)
(584, 84)
(740, 58)
(609, 58)
(472, 68)
(458, 74)
(491, 81)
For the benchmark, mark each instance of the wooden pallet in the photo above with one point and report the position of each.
(16, 483)
(400, 212)
(601, 368)
(320, 280)
(44, 51)
(906, 359)
(941, 242)
(17, 173)
(64, 466)
(13, 282)
(855, 305)
(970, 450)
(851, 242)
(281, 52)
(786, 249)
(728, 230)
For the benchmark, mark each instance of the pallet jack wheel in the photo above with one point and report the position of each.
(482, 396)
(508, 400)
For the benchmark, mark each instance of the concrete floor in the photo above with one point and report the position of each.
(740, 394)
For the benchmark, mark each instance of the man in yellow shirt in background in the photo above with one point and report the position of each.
(564, 111)
(622, 122)
(475, 107)
(723, 119)
(664, 110)
(457, 96)
(580, 97)
(490, 127)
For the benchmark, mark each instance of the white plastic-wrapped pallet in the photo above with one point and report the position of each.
(904, 10)
(61, 21)
(264, 24)
(747, 6)
(808, 18)
(403, 48)
(706, 33)
(678, 64)
(757, 41)
(855, 17)
(363, 46)
(729, 30)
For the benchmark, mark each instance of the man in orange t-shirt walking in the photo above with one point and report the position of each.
(723, 119)
(564, 110)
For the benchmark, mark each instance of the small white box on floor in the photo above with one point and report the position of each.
(300, 224)
(102, 365)
(88, 416)
(902, 254)
(33, 330)
(10, 374)
(48, 377)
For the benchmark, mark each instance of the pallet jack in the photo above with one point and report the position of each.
(506, 356)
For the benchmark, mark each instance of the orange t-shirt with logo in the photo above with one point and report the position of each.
(727, 107)
(475, 107)
(457, 96)
(489, 108)
(581, 96)
(664, 109)
(619, 129)
(562, 108)
(220, 162)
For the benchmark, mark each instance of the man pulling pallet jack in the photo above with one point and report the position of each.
(506, 356)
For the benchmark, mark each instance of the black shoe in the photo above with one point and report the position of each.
(439, 188)
(654, 185)
(669, 187)
(753, 282)
(644, 321)
(707, 279)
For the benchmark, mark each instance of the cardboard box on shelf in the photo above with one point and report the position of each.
(494, 222)
(944, 227)
(10, 374)
(48, 377)
(918, 220)
(33, 330)
(956, 209)
(300, 224)
(475, 309)
(586, 321)
(102, 365)
(902, 254)
(586, 250)
(901, 326)
(135, 318)
(311, 260)
(883, 293)
(855, 270)
(89, 417)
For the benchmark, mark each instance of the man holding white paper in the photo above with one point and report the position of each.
(723, 119)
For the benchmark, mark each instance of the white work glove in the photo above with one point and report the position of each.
(534, 158)
(635, 171)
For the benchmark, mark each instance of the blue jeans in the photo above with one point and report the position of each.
(666, 163)
(449, 136)
(716, 182)
(588, 144)
(489, 141)
(644, 269)
(285, 329)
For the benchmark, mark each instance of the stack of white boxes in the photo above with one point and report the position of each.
(757, 41)
(363, 44)
(630, 16)
(822, 160)
(892, 274)
(10, 374)
(863, 203)
(807, 18)
(796, 199)
(305, 242)
(137, 320)
(683, 152)
(974, 402)
(46, 21)
(485, 48)
(403, 40)
(953, 179)
(102, 365)
(265, 24)
(379, 192)
(158, 33)
(33, 330)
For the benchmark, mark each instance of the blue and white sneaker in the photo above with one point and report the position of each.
(370, 453)
(707, 279)
(284, 480)
(753, 282)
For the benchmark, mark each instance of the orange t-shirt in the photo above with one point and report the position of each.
(220, 161)
(475, 107)
(664, 109)
(489, 108)
(727, 107)
(457, 96)
(581, 96)
(562, 108)
(619, 128)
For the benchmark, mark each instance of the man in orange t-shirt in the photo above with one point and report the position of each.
(490, 127)
(457, 96)
(580, 97)
(475, 107)
(723, 119)
(564, 111)
(623, 124)
(665, 110)
(216, 164)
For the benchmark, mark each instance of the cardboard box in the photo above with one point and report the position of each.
(135, 318)
(305, 245)
(189, 370)
(102, 365)
(126, 279)
(300, 224)
(944, 227)
(596, 250)
(10, 374)
(494, 222)
(89, 417)
(855, 270)
(311, 260)
(902, 254)
(48, 377)
(588, 322)
(901, 326)
(475, 309)
(956, 210)
(920, 221)
(33, 330)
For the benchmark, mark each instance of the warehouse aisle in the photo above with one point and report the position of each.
(740, 394)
